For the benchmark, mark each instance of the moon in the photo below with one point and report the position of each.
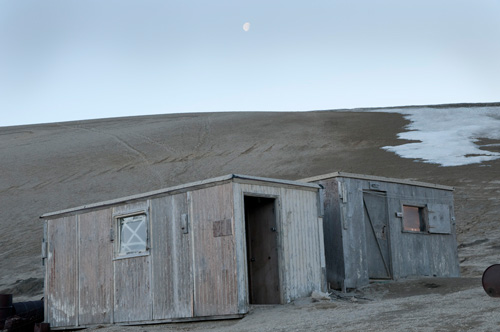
(246, 26)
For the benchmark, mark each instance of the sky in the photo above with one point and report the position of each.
(64, 60)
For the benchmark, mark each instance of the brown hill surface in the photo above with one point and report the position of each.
(50, 167)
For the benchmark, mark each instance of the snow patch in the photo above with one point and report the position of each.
(448, 136)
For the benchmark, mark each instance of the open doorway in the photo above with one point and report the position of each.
(262, 250)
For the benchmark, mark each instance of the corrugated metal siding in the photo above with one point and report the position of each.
(214, 256)
(171, 252)
(62, 269)
(299, 239)
(95, 268)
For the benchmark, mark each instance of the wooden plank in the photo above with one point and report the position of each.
(171, 255)
(161, 321)
(62, 265)
(239, 236)
(439, 218)
(353, 233)
(332, 228)
(131, 208)
(214, 257)
(95, 268)
(132, 289)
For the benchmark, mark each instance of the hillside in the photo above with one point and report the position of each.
(50, 167)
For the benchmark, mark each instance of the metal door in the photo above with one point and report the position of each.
(262, 250)
(377, 235)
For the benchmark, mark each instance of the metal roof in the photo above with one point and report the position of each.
(375, 178)
(183, 187)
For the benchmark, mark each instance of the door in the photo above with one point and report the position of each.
(62, 268)
(377, 234)
(132, 263)
(262, 250)
(214, 251)
(172, 258)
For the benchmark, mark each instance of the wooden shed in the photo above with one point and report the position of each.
(203, 250)
(384, 228)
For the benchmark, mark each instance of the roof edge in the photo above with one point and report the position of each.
(376, 178)
(186, 186)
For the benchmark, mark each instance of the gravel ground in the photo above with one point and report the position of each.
(428, 304)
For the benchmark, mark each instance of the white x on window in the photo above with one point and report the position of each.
(133, 234)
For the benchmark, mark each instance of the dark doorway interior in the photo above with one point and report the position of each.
(262, 250)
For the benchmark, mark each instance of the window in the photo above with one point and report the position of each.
(414, 219)
(133, 234)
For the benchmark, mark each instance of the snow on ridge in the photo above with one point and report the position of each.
(448, 136)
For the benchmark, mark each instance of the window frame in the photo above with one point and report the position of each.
(117, 220)
(423, 211)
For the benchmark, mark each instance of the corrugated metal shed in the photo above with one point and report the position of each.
(385, 228)
(203, 250)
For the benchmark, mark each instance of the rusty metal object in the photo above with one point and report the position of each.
(6, 308)
(32, 310)
(491, 280)
(21, 316)
(42, 327)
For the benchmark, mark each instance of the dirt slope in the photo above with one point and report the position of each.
(50, 167)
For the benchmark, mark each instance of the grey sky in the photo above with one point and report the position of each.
(68, 60)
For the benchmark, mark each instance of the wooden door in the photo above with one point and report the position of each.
(95, 270)
(62, 267)
(132, 275)
(172, 258)
(377, 235)
(262, 250)
(214, 251)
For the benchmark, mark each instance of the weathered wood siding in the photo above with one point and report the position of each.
(302, 244)
(62, 269)
(334, 251)
(416, 254)
(171, 253)
(95, 268)
(352, 223)
(411, 254)
(195, 263)
(214, 257)
(300, 240)
(132, 290)
(241, 250)
(132, 278)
